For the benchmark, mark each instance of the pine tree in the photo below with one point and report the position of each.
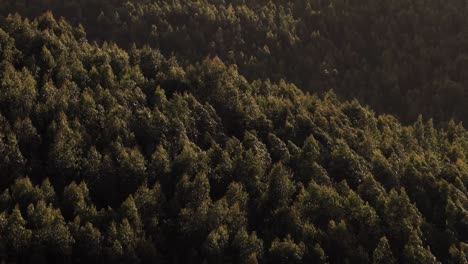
(286, 251)
(416, 253)
(382, 253)
(17, 236)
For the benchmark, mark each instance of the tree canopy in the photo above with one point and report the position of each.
(129, 156)
(403, 57)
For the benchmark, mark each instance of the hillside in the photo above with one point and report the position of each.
(403, 57)
(109, 156)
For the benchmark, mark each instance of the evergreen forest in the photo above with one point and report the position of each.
(234, 131)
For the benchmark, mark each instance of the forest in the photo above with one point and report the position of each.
(233, 132)
(400, 57)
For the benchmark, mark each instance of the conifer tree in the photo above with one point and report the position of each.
(383, 253)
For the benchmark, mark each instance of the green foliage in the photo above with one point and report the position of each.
(382, 253)
(17, 236)
(116, 156)
(402, 57)
(286, 251)
(415, 252)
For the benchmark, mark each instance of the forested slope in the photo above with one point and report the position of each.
(405, 57)
(108, 156)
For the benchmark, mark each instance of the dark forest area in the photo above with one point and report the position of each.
(403, 57)
(247, 132)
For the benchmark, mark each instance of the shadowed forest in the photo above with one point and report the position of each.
(309, 131)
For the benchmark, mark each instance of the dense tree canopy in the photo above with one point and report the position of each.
(403, 57)
(122, 156)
